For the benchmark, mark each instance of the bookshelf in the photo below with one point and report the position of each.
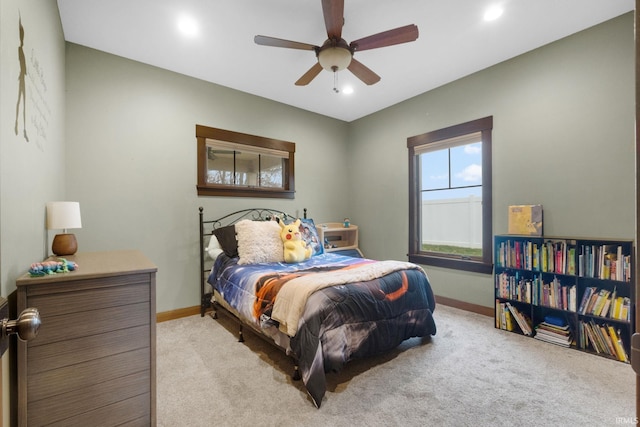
(577, 293)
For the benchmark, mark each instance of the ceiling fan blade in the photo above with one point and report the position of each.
(309, 75)
(333, 11)
(272, 41)
(405, 34)
(363, 73)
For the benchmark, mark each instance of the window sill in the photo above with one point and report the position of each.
(474, 266)
(245, 192)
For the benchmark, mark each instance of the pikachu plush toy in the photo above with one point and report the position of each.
(295, 248)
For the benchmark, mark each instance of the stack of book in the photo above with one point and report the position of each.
(555, 331)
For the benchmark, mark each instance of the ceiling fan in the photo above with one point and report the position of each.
(336, 54)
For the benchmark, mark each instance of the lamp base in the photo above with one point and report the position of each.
(64, 244)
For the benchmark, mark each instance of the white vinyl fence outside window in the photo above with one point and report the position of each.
(456, 222)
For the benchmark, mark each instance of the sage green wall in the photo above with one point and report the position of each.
(563, 137)
(131, 156)
(31, 172)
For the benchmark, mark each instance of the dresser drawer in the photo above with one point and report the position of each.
(81, 401)
(87, 296)
(73, 351)
(87, 323)
(44, 385)
(133, 412)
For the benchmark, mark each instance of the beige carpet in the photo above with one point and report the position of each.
(469, 374)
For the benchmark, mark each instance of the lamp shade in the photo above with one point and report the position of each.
(63, 215)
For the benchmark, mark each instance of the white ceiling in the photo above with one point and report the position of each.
(454, 41)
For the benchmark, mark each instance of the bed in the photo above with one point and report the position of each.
(324, 311)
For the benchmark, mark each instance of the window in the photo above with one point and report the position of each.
(240, 165)
(450, 197)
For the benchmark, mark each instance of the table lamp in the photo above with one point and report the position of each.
(62, 216)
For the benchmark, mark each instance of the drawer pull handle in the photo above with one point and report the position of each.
(25, 326)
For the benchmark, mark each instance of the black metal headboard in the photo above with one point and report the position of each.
(206, 230)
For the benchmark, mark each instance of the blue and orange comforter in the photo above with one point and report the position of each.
(333, 308)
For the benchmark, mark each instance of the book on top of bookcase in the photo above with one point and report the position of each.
(525, 220)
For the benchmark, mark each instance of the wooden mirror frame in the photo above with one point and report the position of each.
(205, 189)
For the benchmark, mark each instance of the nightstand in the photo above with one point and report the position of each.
(94, 356)
(340, 239)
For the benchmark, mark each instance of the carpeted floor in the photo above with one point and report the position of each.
(468, 374)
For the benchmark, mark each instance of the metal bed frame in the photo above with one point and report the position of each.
(206, 298)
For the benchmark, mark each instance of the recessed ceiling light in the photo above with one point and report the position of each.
(188, 26)
(493, 13)
(347, 90)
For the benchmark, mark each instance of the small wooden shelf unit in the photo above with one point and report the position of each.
(338, 237)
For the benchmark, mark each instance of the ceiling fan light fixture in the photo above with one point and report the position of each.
(334, 58)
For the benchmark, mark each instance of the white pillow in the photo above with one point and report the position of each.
(259, 241)
(214, 248)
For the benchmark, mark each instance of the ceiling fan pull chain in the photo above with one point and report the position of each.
(335, 81)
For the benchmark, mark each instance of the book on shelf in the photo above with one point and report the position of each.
(620, 308)
(625, 311)
(607, 340)
(555, 321)
(599, 303)
(535, 255)
(589, 292)
(571, 263)
(508, 321)
(573, 299)
(617, 343)
(604, 312)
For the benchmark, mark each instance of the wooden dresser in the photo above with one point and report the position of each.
(93, 361)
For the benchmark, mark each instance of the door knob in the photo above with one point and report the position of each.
(25, 326)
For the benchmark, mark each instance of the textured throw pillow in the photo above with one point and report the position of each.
(214, 249)
(259, 241)
(227, 238)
